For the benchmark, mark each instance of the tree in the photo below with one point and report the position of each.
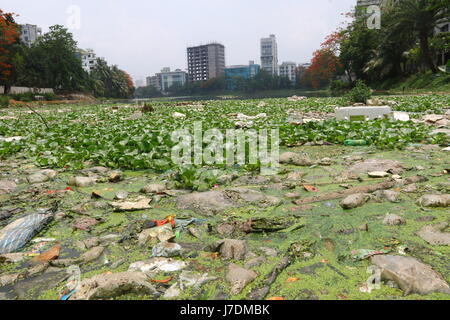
(111, 81)
(420, 17)
(9, 34)
(53, 58)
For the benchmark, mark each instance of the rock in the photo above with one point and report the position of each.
(411, 188)
(355, 200)
(191, 279)
(115, 176)
(393, 220)
(162, 233)
(158, 264)
(232, 249)
(295, 176)
(242, 196)
(37, 178)
(166, 249)
(378, 174)
(121, 195)
(88, 243)
(434, 235)
(7, 186)
(389, 195)
(172, 292)
(92, 255)
(296, 159)
(270, 252)
(255, 262)
(208, 203)
(372, 165)
(225, 229)
(139, 204)
(435, 200)
(239, 277)
(81, 182)
(9, 279)
(85, 223)
(438, 131)
(107, 286)
(411, 275)
(214, 202)
(154, 188)
(12, 257)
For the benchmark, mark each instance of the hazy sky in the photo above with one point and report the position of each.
(142, 37)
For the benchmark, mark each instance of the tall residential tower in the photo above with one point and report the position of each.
(206, 62)
(269, 55)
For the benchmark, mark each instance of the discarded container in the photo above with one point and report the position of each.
(16, 235)
(354, 143)
(363, 113)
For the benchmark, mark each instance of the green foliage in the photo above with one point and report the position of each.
(360, 93)
(109, 139)
(4, 101)
(193, 178)
(338, 87)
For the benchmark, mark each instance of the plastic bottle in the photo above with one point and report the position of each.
(355, 143)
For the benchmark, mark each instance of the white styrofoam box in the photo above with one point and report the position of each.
(363, 113)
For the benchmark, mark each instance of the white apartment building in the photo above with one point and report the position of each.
(29, 33)
(88, 59)
(289, 70)
(269, 55)
(167, 78)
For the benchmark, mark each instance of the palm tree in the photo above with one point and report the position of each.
(419, 17)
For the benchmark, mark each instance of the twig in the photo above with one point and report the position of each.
(42, 118)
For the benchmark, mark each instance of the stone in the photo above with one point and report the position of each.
(7, 186)
(373, 165)
(166, 249)
(162, 233)
(88, 243)
(378, 174)
(12, 257)
(139, 204)
(115, 176)
(107, 286)
(154, 188)
(121, 195)
(81, 182)
(434, 235)
(92, 255)
(296, 159)
(435, 200)
(411, 275)
(389, 195)
(239, 277)
(295, 176)
(355, 200)
(37, 178)
(172, 292)
(85, 224)
(393, 220)
(9, 279)
(232, 249)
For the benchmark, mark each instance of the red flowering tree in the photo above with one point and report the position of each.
(9, 34)
(325, 64)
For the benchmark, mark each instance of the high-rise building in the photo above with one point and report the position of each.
(240, 71)
(169, 78)
(206, 62)
(289, 70)
(29, 33)
(269, 55)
